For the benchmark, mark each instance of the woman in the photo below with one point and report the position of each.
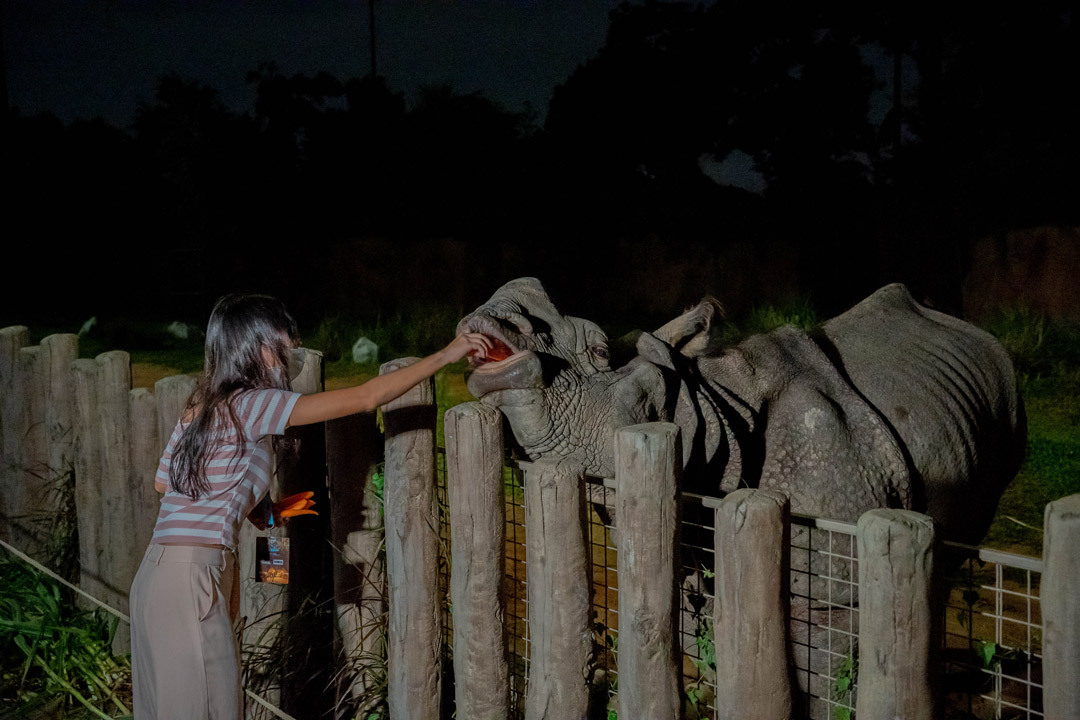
(215, 470)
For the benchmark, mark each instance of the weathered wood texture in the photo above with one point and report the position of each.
(750, 614)
(896, 585)
(142, 467)
(354, 447)
(560, 611)
(1061, 609)
(412, 552)
(648, 463)
(171, 395)
(474, 460)
(265, 607)
(33, 499)
(12, 339)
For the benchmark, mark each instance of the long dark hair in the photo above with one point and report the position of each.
(241, 328)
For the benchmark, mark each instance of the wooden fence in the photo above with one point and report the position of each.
(66, 419)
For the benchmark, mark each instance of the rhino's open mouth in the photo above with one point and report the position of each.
(505, 368)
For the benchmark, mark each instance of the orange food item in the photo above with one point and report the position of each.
(294, 513)
(499, 351)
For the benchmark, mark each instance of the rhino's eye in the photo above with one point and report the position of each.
(600, 351)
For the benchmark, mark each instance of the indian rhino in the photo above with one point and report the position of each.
(889, 404)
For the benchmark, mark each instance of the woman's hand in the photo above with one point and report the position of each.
(466, 344)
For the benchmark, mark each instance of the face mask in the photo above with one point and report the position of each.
(278, 374)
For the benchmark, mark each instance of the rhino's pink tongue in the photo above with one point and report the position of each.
(520, 371)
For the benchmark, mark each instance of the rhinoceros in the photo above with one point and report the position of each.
(890, 404)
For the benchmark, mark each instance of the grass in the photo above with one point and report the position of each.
(1047, 359)
(56, 660)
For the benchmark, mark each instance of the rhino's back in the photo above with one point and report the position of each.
(949, 391)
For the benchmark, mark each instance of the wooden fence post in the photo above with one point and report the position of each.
(265, 606)
(142, 466)
(354, 447)
(1061, 609)
(560, 611)
(120, 556)
(896, 572)
(412, 552)
(32, 501)
(751, 611)
(648, 463)
(311, 569)
(85, 374)
(12, 339)
(474, 461)
(171, 395)
(60, 351)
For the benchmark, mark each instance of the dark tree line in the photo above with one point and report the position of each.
(885, 141)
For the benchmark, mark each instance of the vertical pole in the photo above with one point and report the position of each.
(1061, 609)
(85, 379)
(474, 461)
(32, 502)
(648, 463)
(750, 614)
(171, 395)
(12, 399)
(354, 447)
(60, 351)
(896, 568)
(142, 466)
(120, 556)
(560, 618)
(311, 564)
(412, 552)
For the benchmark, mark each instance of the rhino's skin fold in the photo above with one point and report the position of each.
(889, 404)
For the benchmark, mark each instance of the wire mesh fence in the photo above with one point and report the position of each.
(992, 639)
(991, 630)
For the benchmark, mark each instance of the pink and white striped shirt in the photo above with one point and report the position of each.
(238, 471)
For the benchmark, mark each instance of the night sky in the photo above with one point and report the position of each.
(97, 58)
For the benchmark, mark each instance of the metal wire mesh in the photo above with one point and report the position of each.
(824, 616)
(992, 629)
(992, 635)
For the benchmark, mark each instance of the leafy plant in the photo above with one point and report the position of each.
(843, 685)
(54, 653)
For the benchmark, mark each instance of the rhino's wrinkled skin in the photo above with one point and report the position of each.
(887, 405)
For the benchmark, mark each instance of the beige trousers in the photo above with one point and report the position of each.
(185, 663)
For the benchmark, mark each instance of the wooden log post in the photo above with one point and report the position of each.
(32, 503)
(264, 607)
(354, 447)
(120, 556)
(648, 463)
(474, 460)
(1061, 609)
(142, 466)
(751, 611)
(896, 616)
(85, 378)
(60, 351)
(171, 395)
(412, 552)
(560, 611)
(12, 399)
(311, 572)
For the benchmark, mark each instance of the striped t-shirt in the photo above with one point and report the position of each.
(238, 471)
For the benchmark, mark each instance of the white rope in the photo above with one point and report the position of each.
(25, 558)
(29, 560)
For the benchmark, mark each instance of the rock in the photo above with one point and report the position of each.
(365, 351)
(182, 330)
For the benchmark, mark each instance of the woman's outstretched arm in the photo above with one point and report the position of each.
(380, 390)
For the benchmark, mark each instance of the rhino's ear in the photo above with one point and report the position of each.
(646, 393)
(656, 351)
(697, 331)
